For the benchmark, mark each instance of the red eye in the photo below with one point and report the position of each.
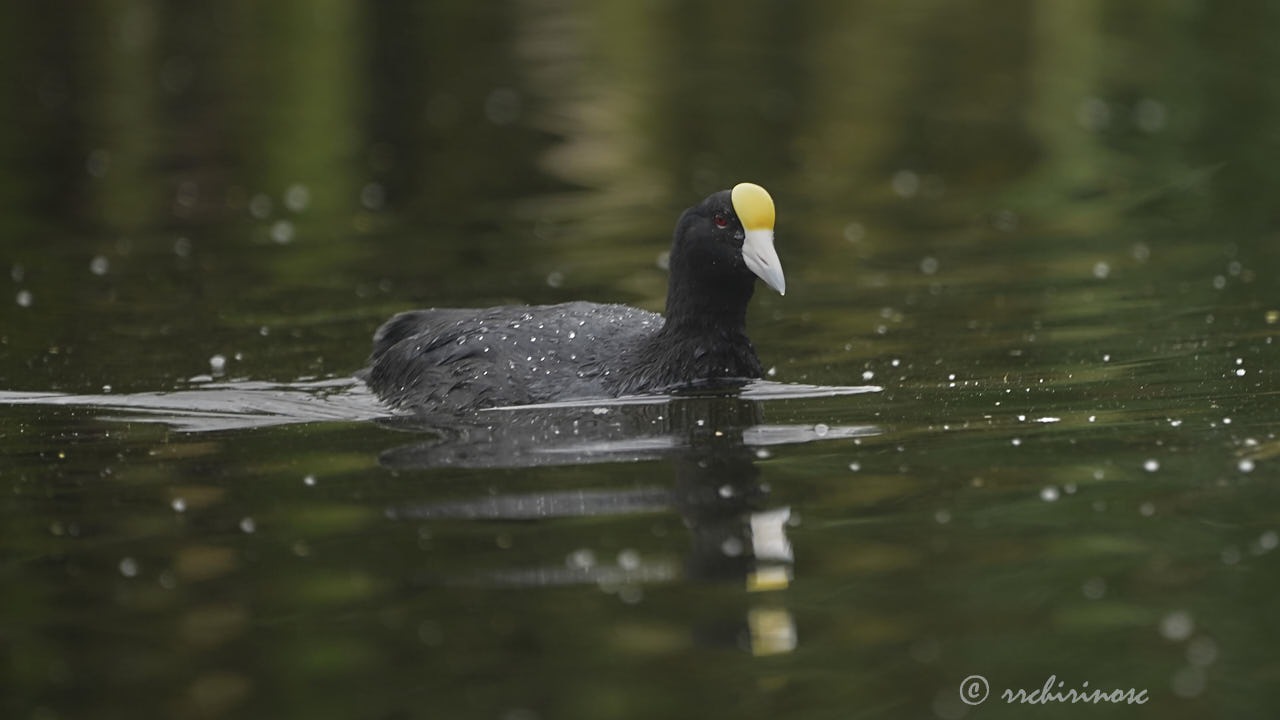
(721, 221)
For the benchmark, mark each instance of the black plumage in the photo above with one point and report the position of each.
(452, 360)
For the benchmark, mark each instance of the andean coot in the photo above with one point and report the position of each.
(454, 360)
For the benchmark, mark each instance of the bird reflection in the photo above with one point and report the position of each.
(711, 444)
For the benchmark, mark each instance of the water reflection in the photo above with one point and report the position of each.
(522, 434)
(710, 446)
(702, 448)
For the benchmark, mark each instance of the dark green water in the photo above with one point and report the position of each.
(1047, 231)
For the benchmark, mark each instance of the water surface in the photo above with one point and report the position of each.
(1041, 237)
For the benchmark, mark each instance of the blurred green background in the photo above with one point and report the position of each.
(446, 153)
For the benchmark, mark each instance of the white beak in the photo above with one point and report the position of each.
(762, 259)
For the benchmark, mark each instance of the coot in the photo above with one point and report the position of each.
(457, 360)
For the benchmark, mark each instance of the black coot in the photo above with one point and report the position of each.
(455, 360)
